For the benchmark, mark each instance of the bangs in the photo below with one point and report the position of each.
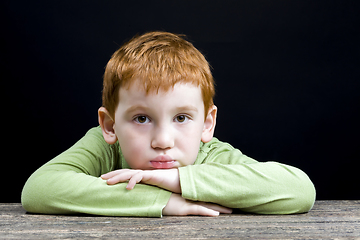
(158, 61)
(161, 74)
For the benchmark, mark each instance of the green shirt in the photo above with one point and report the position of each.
(71, 183)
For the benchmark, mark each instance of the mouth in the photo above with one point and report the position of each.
(163, 162)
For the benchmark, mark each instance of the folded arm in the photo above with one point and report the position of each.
(227, 177)
(71, 183)
(264, 188)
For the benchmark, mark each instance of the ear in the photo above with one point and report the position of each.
(107, 125)
(209, 125)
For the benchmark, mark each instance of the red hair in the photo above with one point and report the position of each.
(159, 60)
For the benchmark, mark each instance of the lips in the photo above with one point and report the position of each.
(163, 162)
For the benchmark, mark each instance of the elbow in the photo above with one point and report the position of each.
(28, 201)
(31, 196)
(304, 195)
(299, 193)
(300, 196)
(36, 196)
(292, 197)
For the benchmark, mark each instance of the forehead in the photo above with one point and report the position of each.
(181, 92)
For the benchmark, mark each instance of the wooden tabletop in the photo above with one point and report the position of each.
(328, 219)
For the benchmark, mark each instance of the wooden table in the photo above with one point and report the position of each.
(328, 219)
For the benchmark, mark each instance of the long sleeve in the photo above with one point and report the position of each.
(71, 183)
(225, 176)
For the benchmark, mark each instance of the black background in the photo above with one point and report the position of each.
(287, 75)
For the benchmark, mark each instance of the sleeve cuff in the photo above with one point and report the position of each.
(159, 203)
(187, 183)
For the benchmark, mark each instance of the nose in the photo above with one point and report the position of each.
(162, 138)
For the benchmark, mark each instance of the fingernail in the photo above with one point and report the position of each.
(229, 211)
(216, 214)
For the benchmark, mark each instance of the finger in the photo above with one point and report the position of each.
(121, 177)
(112, 174)
(216, 207)
(196, 209)
(108, 175)
(134, 180)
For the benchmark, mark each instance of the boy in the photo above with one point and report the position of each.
(154, 153)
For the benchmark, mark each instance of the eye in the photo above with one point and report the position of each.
(142, 119)
(181, 118)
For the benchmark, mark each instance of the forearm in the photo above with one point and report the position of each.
(166, 179)
(65, 192)
(268, 188)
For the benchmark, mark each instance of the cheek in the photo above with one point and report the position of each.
(132, 146)
(189, 142)
(190, 150)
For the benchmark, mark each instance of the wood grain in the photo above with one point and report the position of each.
(327, 220)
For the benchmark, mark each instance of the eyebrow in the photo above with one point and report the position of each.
(178, 109)
(135, 108)
(186, 108)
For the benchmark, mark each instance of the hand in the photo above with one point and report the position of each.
(179, 206)
(167, 179)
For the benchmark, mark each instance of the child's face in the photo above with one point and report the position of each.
(162, 130)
